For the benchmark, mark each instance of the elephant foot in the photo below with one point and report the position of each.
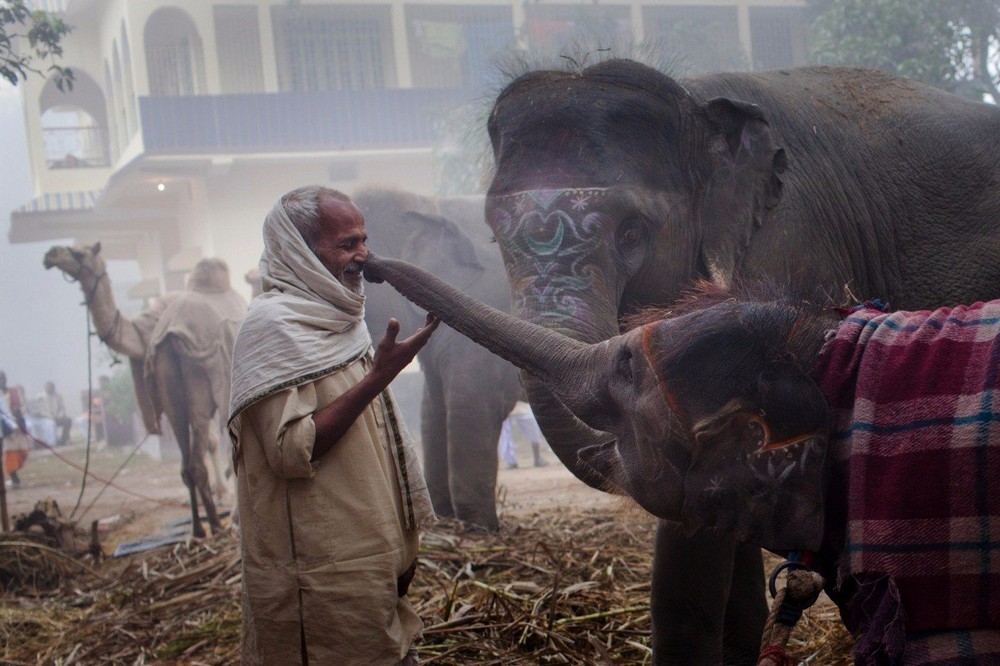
(480, 526)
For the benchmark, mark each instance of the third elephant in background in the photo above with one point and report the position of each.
(467, 391)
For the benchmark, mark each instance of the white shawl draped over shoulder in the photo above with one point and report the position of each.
(304, 325)
(307, 324)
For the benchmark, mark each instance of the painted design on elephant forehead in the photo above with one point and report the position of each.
(545, 199)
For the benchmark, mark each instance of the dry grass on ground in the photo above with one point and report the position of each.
(566, 586)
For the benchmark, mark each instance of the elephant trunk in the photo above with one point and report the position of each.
(551, 357)
(570, 369)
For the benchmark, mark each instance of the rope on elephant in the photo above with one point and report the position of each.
(802, 588)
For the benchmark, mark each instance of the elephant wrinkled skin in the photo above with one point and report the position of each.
(616, 186)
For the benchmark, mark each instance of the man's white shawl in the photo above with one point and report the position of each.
(305, 325)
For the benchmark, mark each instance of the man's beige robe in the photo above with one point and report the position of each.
(324, 542)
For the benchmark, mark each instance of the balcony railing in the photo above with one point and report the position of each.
(295, 121)
(75, 147)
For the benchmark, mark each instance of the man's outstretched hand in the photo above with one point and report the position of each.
(391, 356)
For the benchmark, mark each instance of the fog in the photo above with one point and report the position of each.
(43, 326)
(43, 330)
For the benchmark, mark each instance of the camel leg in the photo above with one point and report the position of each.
(200, 410)
(220, 486)
(170, 388)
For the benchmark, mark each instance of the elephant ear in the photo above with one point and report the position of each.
(745, 180)
(437, 244)
(758, 466)
(788, 405)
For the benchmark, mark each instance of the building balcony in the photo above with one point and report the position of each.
(295, 121)
(75, 147)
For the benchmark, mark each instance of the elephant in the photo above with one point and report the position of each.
(859, 436)
(615, 186)
(467, 391)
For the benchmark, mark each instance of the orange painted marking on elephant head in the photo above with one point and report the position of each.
(661, 381)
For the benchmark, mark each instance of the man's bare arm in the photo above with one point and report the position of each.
(390, 358)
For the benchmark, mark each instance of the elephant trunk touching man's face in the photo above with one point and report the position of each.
(696, 404)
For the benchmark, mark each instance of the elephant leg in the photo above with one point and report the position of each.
(434, 438)
(746, 611)
(170, 390)
(692, 579)
(473, 432)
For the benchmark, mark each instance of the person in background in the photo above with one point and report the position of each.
(14, 441)
(522, 418)
(329, 489)
(53, 407)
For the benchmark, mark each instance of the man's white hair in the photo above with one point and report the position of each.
(302, 207)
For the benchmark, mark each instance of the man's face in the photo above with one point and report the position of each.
(50, 388)
(341, 245)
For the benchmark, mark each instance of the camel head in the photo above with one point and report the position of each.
(76, 260)
(209, 276)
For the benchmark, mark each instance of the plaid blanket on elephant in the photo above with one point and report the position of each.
(914, 502)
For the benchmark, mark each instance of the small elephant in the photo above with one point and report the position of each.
(868, 438)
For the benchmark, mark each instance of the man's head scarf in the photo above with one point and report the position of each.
(304, 325)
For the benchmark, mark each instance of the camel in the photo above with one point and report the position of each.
(180, 351)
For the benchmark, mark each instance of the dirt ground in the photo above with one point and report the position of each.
(148, 494)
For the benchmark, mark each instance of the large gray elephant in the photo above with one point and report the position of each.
(616, 186)
(783, 422)
(467, 391)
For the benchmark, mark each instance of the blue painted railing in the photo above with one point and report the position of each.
(297, 121)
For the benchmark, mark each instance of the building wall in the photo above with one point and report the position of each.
(216, 197)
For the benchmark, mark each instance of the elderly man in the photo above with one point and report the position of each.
(330, 492)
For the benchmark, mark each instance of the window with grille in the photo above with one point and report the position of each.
(454, 46)
(237, 39)
(699, 38)
(555, 27)
(173, 54)
(778, 37)
(323, 47)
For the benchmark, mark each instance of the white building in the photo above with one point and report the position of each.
(189, 118)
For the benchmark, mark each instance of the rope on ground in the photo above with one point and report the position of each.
(106, 481)
(90, 407)
(114, 476)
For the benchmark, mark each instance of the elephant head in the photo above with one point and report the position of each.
(715, 421)
(614, 188)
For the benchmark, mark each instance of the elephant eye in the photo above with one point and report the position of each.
(630, 235)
